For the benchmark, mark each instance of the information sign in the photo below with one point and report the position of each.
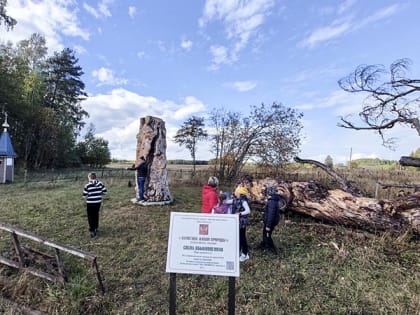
(206, 244)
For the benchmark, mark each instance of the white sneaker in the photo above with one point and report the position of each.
(243, 257)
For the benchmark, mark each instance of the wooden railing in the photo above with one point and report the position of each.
(59, 275)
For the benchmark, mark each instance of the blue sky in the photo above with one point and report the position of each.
(174, 59)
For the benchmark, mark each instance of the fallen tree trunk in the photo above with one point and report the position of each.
(340, 207)
(345, 184)
(410, 161)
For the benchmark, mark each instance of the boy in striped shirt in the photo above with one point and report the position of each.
(93, 192)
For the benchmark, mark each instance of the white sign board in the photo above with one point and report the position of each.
(9, 162)
(206, 244)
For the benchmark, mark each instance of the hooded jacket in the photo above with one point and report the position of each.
(209, 198)
(272, 211)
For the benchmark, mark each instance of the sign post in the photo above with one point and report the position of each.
(205, 244)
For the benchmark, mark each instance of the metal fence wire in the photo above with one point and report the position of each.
(364, 179)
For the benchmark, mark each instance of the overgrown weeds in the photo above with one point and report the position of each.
(320, 269)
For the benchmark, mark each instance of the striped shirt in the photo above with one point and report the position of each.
(93, 191)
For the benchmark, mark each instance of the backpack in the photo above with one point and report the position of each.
(221, 209)
(238, 207)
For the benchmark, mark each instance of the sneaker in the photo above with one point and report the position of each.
(243, 257)
(92, 234)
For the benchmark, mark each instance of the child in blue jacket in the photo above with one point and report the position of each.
(275, 203)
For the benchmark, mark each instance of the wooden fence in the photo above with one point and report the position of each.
(58, 275)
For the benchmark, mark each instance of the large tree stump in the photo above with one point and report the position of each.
(151, 143)
(340, 207)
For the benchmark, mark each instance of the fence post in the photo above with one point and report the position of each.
(60, 266)
(376, 190)
(18, 249)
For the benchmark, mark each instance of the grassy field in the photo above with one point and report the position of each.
(321, 269)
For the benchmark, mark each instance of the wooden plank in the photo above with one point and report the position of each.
(65, 248)
(41, 274)
(9, 262)
(31, 270)
(37, 252)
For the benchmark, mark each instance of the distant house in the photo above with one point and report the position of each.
(7, 155)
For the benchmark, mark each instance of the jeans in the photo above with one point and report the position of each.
(140, 187)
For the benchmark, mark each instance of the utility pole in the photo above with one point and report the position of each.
(351, 152)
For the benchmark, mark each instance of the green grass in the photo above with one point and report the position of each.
(367, 274)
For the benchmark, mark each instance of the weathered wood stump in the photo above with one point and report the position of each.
(151, 144)
(341, 207)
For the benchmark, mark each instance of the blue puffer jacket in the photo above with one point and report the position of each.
(272, 211)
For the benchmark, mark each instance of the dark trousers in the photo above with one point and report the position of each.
(243, 244)
(267, 240)
(93, 215)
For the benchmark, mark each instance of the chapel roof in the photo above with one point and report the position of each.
(6, 147)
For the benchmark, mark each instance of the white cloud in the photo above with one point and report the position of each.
(80, 49)
(190, 106)
(220, 56)
(346, 25)
(141, 54)
(132, 11)
(325, 34)
(379, 15)
(116, 117)
(241, 19)
(106, 76)
(345, 5)
(186, 44)
(91, 10)
(343, 102)
(101, 11)
(242, 86)
(330, 71)
(32, 18)
(104, 9)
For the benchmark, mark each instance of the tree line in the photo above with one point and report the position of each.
(42, 95)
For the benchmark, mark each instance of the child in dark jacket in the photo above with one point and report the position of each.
(240, 206)
(275, 203)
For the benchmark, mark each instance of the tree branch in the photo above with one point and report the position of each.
(345, 184)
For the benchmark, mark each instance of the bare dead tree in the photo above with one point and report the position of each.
(391, 101)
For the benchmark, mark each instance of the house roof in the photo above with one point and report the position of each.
(6, 147)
